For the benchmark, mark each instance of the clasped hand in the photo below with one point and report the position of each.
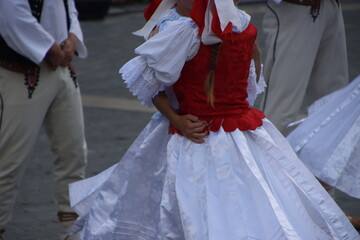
(191, 127)
(61, 54)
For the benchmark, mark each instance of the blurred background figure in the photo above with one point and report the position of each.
(39, 39)
(305, 55)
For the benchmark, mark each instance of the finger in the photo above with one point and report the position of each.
(199, 129)
(192, 118)
(196, 140)
(195, 125)
(199, 135)
(200, 124)
(66, 61)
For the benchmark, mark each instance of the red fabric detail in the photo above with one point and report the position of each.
(231, 110)
(198, 14)
(32, 77)
(149, 10)
(250, 120)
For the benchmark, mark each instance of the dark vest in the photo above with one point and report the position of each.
(11, 57)
(13, 61)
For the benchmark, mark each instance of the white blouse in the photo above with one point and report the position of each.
(161, 58)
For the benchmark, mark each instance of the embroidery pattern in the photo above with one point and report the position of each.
(31, 80)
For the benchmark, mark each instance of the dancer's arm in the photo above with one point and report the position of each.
(190, 125)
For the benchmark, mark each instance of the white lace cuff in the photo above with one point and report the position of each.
(255, 88)
(140, 80)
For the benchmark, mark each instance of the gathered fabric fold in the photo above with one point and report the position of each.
(327, 141)
(167, 187)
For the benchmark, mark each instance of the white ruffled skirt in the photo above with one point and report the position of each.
(328, 141)
(239, 185)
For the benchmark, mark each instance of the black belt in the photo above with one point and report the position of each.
(315, 5)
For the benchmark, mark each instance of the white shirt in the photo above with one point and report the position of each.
(25, 35)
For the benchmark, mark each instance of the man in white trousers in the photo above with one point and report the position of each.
(38, 86)
(305, 55)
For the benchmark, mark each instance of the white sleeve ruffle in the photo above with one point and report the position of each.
(255, 88)
(161, 60)
(140, 80)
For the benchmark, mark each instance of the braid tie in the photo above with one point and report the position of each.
(214, 55)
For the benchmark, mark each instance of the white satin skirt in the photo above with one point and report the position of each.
(328, 141)
(235, 186)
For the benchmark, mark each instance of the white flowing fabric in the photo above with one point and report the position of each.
(238, 185)
(328, 141)
(235, 186)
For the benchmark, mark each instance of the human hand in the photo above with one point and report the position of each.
(54, 56)
(191, 127)
(257, 59)
(68, 47)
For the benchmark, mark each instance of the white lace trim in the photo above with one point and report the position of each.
(139, 79)
(255, 88)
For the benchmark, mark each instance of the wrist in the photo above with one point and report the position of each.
(72, 37)
(173, 118)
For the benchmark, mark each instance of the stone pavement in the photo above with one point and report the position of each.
(114, 118)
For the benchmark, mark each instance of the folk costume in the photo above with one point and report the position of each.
(32, 95)
(244, 182)
(306, 56)
(328, 141)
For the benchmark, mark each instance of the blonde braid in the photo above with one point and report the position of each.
(210, 79)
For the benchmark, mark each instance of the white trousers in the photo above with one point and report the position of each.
(56, 103)
(304, 58)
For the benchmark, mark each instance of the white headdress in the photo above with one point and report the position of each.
(226, 11)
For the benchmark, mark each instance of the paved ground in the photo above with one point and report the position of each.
(114, 118)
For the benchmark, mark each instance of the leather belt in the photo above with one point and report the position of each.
(303, 2)
(307, 2)
(17, 67)
(315, 5)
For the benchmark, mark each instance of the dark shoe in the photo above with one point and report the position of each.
(355, 221)
(66, 220)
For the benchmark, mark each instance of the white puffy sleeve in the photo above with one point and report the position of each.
(160, 60)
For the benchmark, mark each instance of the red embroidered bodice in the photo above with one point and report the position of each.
(231, 110)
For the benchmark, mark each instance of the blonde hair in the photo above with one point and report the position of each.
(210, 79)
